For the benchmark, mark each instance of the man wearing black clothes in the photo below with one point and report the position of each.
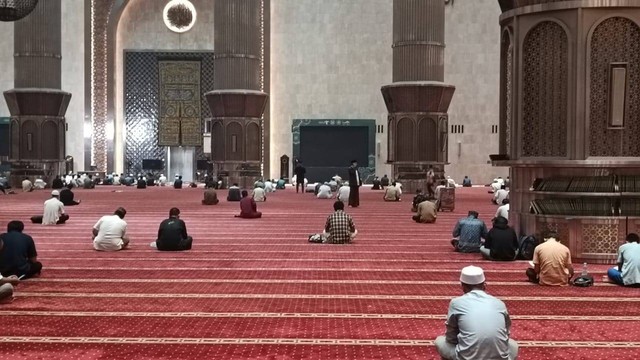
(19, 256)
(354, 184)
(57, 183)
(66, 196)
(177, 184)
(172, 235)
(501, 243)
(300, 172)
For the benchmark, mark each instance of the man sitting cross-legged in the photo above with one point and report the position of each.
(392, 193)
(53, 213)
(18, 255)
(67, 196)
(468, 233)
(551, 263)
(501, 242)
(172, 234)
(628, 270)
(109, 233)
(339, 228)
(477, 323)
(210, 197)
(248, 207)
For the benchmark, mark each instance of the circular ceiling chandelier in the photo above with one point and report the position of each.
(13, 10)
(179, 15)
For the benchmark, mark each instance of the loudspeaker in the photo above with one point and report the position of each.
(152, 164)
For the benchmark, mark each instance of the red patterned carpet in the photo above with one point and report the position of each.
(255, 289)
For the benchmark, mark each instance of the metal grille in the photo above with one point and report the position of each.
(545, 75)
(141, 102)
(600, 238)
(615, 40)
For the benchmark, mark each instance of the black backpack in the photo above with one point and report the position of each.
(527, 244)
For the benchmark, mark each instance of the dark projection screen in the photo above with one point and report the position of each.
(327, 150)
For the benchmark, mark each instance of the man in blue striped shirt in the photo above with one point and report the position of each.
(468, 233)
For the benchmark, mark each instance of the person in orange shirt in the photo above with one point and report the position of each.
(551, 263)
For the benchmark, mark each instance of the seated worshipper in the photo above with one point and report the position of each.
(468, 233)
(142, 183)
(109, 179)
(128, 180)
(172, 234)
(466, 182)
(426, 212)
(324, 191)
(66, 196)
(551, 263)
(500, 195)
(259, 183)
(39, 184)
(177, 183)
(6, 287)
(503, 210)
(392, 193)
(78, 181)
(376, 184)
(210, 183)
(117, 179)
(343, 192)
(281, 184)
(501, 243)
(338, 179)
(339, 228)
(496, 184)
(334, 185)
(19, 256)
(109, 233)
(451, 182)
(269, 186)
(88, 182)
(210, 197)
(259, 194)
(316, 188)
(248, 207)
(478, 324)
(420, 197)
(384, 182)
(234, 193)
(162, 180)
(53, 211)
(150, 180)
(57, 183)
(68, 179)
(27, 186)
(628, 270)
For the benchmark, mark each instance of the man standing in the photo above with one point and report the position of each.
(501, 243)
(53, 211)
(431, 182)
(628, 270)
(354, 184)
(426, 212)
(478, 324)
(551, 263)
(19, 256)
(109, 233)
(339, 227)
(172, 234)
(248, 207)
(300, 172)
(468, 233)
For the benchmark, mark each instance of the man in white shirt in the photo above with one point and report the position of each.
(27, 186)
(628, 270)
(324, 192)
(497, 183)
(109, 233)
(269, 186)
(39, 184)
(503, 210)
(53, 211)
(500, 195)
(477, 323)
(68, 179)
(343, 192)
(259, 194)
(162, 180)
(392, 193)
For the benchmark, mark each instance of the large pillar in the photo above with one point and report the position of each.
(238, 103)
(418, 99)
(37, 105)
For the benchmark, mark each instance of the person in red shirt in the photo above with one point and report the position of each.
(248, 207)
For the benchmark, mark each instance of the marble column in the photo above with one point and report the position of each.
(418, 99)
(238, 103)
(37, 105)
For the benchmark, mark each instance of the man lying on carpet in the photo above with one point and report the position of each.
(468, 233)
(477, 323)
(172, 234)
(18, 256)
(109, 233)
(501, 243)
(248, 207)
(628, 271)
(53, 211)
(551, 263)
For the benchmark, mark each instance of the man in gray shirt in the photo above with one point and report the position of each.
(477, 324)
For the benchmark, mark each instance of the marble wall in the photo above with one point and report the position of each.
(141, 27)
(6, 64)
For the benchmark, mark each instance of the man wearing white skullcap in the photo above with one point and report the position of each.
(477, 324)
(53, 211)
